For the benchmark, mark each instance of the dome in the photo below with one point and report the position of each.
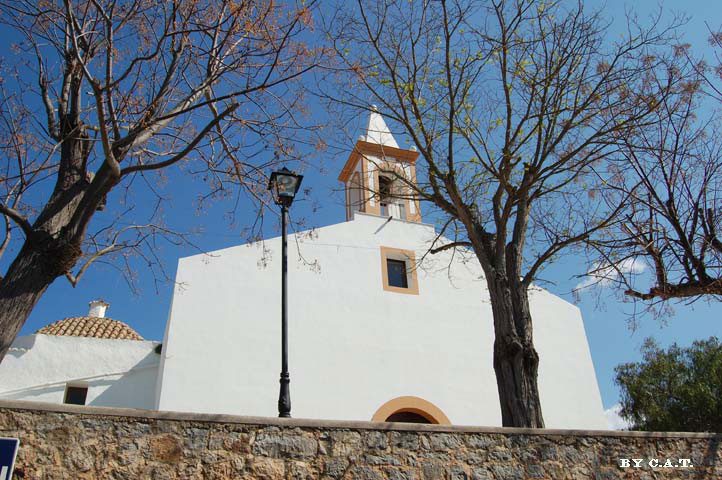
(95, 327)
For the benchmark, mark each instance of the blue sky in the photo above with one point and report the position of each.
(605, 316)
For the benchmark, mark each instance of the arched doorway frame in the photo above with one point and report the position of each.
(411, 404)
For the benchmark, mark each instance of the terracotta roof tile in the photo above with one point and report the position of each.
(96, 327)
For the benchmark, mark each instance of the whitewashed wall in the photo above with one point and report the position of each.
(354, 346)
(118, 373)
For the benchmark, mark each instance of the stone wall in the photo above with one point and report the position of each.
(69, 442)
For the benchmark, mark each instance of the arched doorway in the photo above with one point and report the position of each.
(410, 410)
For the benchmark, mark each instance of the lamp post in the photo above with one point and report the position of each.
(283, 185)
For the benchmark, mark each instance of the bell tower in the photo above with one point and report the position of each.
(378, 175)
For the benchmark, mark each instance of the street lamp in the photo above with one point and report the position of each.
(283, 185)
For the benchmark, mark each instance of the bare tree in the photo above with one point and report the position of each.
(103, 93)
(515, 108)
(673, 225)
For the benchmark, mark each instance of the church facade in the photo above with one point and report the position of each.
(378, 329)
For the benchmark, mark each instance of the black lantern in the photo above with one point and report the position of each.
(283, 185)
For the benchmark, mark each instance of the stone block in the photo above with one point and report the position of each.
(343, 443)
(196, 438)
(284, 445)
(165, 448)
(445, 441)
(471, 457)
(433, 470)
(268, 468)
(358, 472)
(481, 473)
(336, 467)
(507, 472)
(457, 472)
(404, 440)
(480, 441)
(301, 471)
(500, 454)
(376, 440)
(400, 473)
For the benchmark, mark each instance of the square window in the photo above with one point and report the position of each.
(75, 395)
(396, 270)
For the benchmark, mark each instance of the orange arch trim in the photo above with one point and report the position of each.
(411, 404)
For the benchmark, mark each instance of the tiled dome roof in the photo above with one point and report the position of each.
(96, 327)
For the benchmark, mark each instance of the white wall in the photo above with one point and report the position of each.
(354, 346)
(118, 373)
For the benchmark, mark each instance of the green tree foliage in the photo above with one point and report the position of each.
(678, 389)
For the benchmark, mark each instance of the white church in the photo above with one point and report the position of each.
(378, 330)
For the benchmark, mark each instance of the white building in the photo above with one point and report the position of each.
(91, 360)
(375, 333)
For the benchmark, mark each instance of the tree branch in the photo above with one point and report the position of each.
(449, 246)
(680, 290)
(210, 126)
(19, 219)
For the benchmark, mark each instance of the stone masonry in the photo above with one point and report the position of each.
(71, 442)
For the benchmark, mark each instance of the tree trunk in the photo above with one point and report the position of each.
(515, 359)
(51, 249)
(33, 270)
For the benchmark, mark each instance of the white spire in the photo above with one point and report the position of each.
(377, 131)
